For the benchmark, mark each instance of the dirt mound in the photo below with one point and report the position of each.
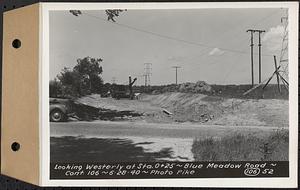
(93, 107)
(188, 87)
(186, 106)
(189, 107)
(198, 87)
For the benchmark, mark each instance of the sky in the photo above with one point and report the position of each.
(209, 45)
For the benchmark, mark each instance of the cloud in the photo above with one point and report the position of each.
(216, 52)
(274, 32)
(272, 39)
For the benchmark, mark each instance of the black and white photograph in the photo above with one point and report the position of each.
(158, 89)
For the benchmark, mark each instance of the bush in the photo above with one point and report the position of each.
(239, 147)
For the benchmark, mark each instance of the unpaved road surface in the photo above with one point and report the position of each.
(134, 141)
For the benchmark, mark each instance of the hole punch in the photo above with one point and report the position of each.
(16, 43)
(15, 146)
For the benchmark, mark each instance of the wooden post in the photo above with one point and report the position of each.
(277, 74)
(251, 56)
(252, 72)
(284, 81)
(271, 77)
(259, 54)
(130, 87)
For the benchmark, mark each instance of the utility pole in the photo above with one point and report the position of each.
(252, 31)
(259, 54)
(148, 72)
(251, 52)
(176, 68)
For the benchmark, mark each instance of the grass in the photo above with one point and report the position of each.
(240, 147)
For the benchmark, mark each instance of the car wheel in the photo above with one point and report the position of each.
(57, 116)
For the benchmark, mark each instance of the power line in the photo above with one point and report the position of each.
(235, 62)
(246, 39)
(206, 46)
(240, 43)
(254, 25)
(167, 37)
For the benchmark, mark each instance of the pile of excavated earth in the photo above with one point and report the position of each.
(188, 87)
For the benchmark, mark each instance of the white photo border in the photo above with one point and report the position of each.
(288, 182)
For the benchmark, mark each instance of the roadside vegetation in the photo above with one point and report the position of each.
(240, 147)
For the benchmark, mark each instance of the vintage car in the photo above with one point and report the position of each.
(60, 109)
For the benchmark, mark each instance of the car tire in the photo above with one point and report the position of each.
(57, 116)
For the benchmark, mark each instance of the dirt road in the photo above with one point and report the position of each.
(107, 141)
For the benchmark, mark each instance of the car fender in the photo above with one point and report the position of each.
(59, 107)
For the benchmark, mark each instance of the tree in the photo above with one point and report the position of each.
(84, 78)
(70, 82)
(55, 88)
(111, 13)
(90, 71)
